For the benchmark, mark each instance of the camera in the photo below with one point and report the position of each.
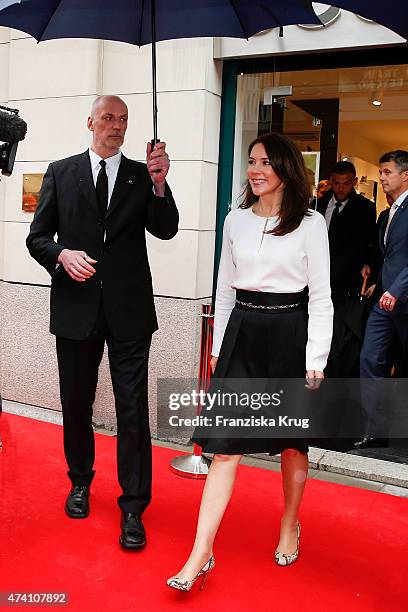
(12, 130)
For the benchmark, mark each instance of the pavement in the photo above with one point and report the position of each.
(371, 471)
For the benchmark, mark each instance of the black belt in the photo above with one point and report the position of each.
(262, 301)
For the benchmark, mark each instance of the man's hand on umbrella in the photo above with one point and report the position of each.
(387, 301)
(158, 164)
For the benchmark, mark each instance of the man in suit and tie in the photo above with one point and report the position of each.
(350, 219)
(388, 318)
(98, 205)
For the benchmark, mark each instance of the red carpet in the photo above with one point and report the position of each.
(353, 549)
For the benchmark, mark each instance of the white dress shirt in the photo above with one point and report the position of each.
(330, 209)
(256, 261)
(112, 167)
(392, 212)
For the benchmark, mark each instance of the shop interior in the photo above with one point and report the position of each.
(355, 113)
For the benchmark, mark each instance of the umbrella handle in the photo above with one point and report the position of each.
(154, 142)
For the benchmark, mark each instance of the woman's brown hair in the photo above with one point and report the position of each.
(287, 162)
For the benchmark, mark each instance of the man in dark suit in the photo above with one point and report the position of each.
(350, 219)
(98, 204)
(388, 318)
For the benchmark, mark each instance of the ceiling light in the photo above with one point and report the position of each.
(376, 98)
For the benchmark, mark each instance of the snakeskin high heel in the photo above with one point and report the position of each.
(186, 585)
(284, 559)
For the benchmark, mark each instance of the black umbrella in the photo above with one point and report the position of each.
(141, 22)
(392, 15)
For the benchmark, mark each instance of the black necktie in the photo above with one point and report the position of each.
(335, 216)
(102, 191)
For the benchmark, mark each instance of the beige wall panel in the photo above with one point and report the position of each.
(18, 34)
(182, 267)
(181, 124)
(188, 122)
(194, 186)
(199, 214)
(4, 72)
(211, 127)
(214, 73)
(19, 266)
(4, 35)
(205, 263)
(181, 65)
(53, 68)
(56, 128)
(208, 200)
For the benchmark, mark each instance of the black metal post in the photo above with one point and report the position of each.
(153, 6)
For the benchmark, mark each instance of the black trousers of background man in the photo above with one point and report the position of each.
(78, 363)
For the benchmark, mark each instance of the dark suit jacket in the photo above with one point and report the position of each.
(394, 273)
(351, 242)
(68, 208)
(378, 253)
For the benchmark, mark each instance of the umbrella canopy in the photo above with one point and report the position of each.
(140, 22)
(131, 20)
(393, 15)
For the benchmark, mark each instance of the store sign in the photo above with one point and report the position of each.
(327, 15)
(380, 78)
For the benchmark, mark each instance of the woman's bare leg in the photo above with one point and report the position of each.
(294, 467)
(216, 495)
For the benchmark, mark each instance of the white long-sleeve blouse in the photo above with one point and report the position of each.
(255, 261)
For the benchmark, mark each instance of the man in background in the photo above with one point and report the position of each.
(350, 219)
(388, 320)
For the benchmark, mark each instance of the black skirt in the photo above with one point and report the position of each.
(263, 344)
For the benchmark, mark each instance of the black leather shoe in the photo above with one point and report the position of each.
(77, 504)
(370, 442)
(133, 536)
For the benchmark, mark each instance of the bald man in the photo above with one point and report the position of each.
(88, 232)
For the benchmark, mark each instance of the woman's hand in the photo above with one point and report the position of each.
(213, 363)
(314, 379)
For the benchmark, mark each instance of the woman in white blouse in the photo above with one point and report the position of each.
(275, 251)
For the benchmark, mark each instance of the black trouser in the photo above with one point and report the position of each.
(78, 363)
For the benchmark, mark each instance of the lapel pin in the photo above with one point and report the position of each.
(130, 181)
